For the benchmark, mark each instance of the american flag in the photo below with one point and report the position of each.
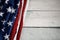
(11, 18)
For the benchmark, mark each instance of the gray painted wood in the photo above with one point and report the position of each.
(40, 34)
(42, 18)
(44, 5)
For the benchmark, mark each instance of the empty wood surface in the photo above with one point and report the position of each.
(42, 20)
(40, 34)
(44, 5)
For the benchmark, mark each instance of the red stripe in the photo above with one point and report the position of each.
(14, 29)
(21, 22)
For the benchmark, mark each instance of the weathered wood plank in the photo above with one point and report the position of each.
(42, 18)
(44, 5)
(40, 34)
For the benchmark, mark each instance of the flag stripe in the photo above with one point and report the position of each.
(21, 22)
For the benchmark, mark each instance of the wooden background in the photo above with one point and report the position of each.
(42, 20)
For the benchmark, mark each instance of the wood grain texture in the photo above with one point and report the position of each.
(44, 5)
(40, 34)
(42, 18)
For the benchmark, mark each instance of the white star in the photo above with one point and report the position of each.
(15, 17)
(6, 1)
(3, 21)
(1, 14)
(6, 37)
(9, 23)
(13, 10)
(18, 4)
(9, 9)
(3, 29)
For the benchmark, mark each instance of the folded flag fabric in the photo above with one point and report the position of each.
(11, 11)
(21, 22)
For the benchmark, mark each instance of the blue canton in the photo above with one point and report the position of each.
(8, 12)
